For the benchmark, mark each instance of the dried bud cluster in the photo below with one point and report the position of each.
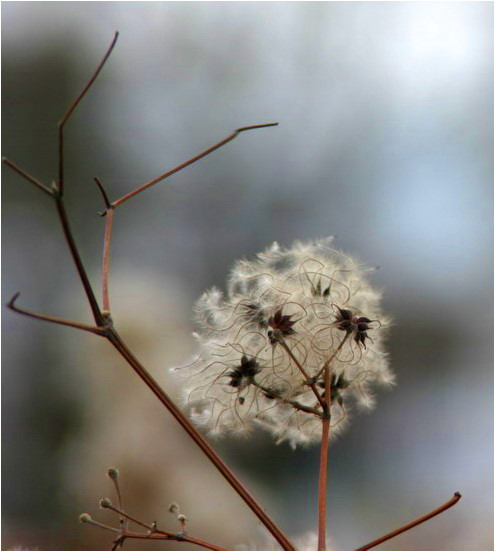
(264, 346)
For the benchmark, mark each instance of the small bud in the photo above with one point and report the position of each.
(173, 508)
(182, 518)
(113, 473)
(105, 503)
(84, 518)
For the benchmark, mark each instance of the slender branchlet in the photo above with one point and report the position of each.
(152, 530)
(452, 502)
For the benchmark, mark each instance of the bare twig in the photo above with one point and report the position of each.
(153, 532)
(454, 500)
(109, 212)
(27, 176)
(113, 474)
(104, 194)
(106, 260)
(189, 162)
(54, 319)
(76, 257)
(171, 537)
(71, 109)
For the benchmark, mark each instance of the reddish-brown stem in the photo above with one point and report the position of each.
(170, 537)
(325, 437)
(54, 319)
(106, 259)
(123, 521)
(71, 109)
(153, 533)
(117, 342)
(310, 381)
(322, 485)
(153, 530)
(127, 516)
(27, 176)
(188, 162)
(64, 221)
(295, 404)
(454, 500)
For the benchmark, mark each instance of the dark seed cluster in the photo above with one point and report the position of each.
(255, 313)
(347, 322)
(243, 375)
(281, 326)
(318, 290)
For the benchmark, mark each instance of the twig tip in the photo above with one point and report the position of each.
(10, 304)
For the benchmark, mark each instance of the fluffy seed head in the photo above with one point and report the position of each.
(264, 346)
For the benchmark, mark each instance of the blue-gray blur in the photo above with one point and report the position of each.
(385, 139)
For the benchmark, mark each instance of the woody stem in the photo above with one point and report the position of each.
(325, 438)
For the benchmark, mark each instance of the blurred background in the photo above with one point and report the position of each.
(385, 139)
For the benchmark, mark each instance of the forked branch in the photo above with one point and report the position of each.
(71, 109)
(54, 319)
(102, 319)
(189, 162)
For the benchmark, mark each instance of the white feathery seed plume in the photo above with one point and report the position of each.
(263, 346)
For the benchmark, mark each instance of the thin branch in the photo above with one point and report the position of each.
(454, 500)
(54, 319)
(310, 381)
(108, 205)
(110, 506)
(71, 109)
(113, 474)
(106, 259)
(157, 534)
(27, 176)
(246, 496)
(297, 405)
(64, 221)
(162, 535)
(189, 162)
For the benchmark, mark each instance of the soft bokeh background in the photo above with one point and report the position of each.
(385, 139)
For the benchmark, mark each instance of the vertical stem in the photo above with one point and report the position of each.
(325, 438)
(322, 485)
(106, 258)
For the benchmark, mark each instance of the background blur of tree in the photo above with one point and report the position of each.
(385, 139)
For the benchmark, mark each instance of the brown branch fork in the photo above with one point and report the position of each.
(104, 328)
